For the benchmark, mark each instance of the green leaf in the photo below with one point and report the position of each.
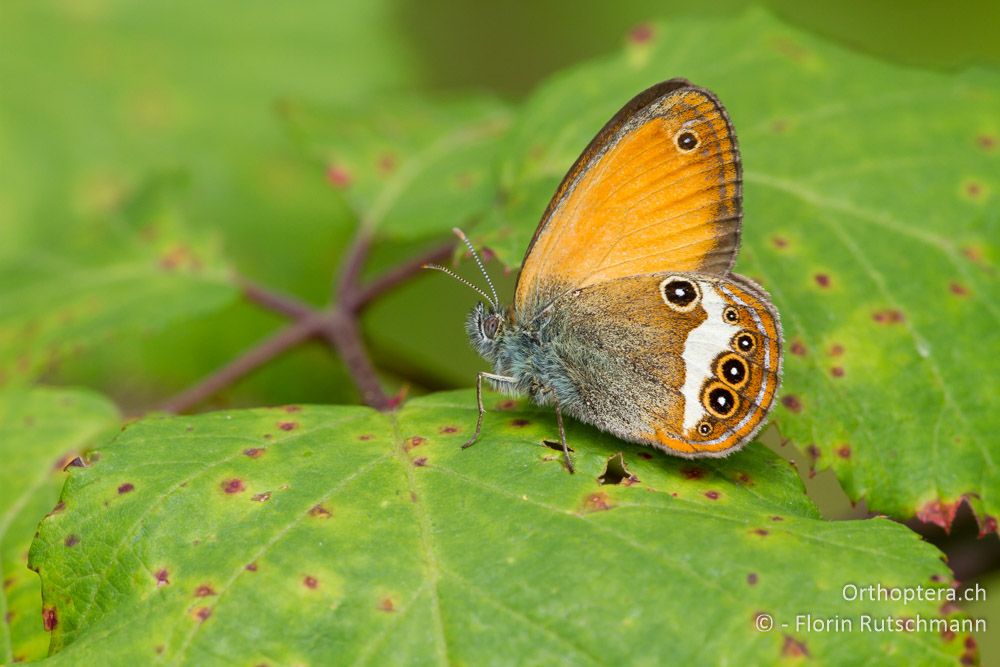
(48, 312)
(40, 431)
(409, 167)
(97, 96)
(871, 217)
(340, 535)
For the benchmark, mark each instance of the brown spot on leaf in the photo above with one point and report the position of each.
(986, 141)
(415, 441)
(50, 618)
(204, 591)
(974, 189)
(641, 33)
(288, 426)
(506, 404)
(777, 518)
(763, 532)
(813, 451)
(254, 452)
(779, 242)
(420, 461)
(792, 403)
(448, 429)
(844, 451)
(310, 582)
(779, 126)
(798, 348)
(250, 567)
(793, 648)
(712, 495)
(126, 487)
(386, 604)
(939, 513)
(752, 578)
(234, 485)
(837, 371)
(949, 608)
(202, 613)
(292, 408)
(693, 473)
(888, 316)
(261, 497)
(365, 436)
(822, 279)
(597, 502)
(972, 253)
(519, 422)
(958, 289)
(744, 479)
(836, 350)
(162, 577)
(386, 163)
(338, 176)
(71, 540)
(320, 512)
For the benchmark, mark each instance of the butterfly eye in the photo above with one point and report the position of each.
(686, 141)
(732, 370)
(720, 400)
(490, 326)
(704, 428)
(730, 314)
(680, 293)
(744, 342)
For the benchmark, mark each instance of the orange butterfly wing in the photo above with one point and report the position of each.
(641, 199)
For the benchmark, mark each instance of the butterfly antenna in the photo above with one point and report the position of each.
(475, 255)
(438, 267)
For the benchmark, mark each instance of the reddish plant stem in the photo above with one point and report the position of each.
(280, 303)
(393, 277)
(338, 325)
(258, 355)
(341, 331)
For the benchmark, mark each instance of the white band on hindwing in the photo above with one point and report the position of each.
(702, 345)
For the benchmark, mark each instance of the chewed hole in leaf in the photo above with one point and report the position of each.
(616, 472)
(556, 445)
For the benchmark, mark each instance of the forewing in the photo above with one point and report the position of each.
(659, 186)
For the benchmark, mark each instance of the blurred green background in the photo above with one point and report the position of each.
(100, 98)
(112, 109)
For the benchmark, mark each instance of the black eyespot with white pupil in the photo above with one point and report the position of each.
(733, 371)
(730, 314)
(680, 292)
(687, 141)
(722, 400)
(744, 342)
(704, 428)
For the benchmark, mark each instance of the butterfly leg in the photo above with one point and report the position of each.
(562, 438)
(501, 379)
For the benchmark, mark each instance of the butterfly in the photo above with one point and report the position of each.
(626, 315)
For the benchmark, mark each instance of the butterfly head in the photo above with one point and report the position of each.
(485, 327)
